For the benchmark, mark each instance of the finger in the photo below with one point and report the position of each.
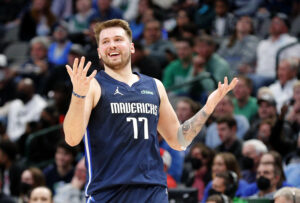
(92, 75)
(81, 65)
(226, 81)
(69, 70)
(233, 83)
(75, 66)
(86, 68)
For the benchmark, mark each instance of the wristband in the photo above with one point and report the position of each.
(77, 95)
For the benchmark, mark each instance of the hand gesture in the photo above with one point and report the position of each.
(78, 76)
(219, 93)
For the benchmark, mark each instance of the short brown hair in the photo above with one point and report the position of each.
(112, 23)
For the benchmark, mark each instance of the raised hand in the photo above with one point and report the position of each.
(78, 75)
(216, 96)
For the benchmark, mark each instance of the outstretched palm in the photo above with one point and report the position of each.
(219, 93)
(78, 75)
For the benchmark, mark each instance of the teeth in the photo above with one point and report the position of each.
(113, 54)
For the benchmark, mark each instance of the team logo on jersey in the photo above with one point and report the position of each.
(147, 92)
(118, 92)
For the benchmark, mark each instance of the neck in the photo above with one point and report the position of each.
(122, 74)
(241, 35)
(229, 142)
(243, 101)
(186, 62)
(62, 171)
(265, 192)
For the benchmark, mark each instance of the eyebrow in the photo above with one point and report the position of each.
(113, 37)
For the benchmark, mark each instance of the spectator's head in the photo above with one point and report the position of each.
(65, 155)
(243, 89)
(182, 18)
(244, 25)
(104, 5)
(273, 157)
(204, 46)
(227, 129)
(224, 107)
(287, 70)
(218, 198)
(252, 152)
(41, 195)
(186, 108)
(279, 25)
(184, 49)
(8, 153)
(221, 7)
(41, 5)
(287, 195)
(225, 161)
(225, 183)
(265, 130)
(266, 106)
(76, 51)
(267, 178)
(39, 48)
(198, 64)
(152, 31)
(60, 33)
(200, 156)
(114, 38)
(82, 6)
(25, 90)
(80, 170)
(166, 157)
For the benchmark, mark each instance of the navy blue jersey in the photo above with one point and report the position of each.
(121, 139)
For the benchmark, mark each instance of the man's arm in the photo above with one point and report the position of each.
(77, 117)
(180, 136)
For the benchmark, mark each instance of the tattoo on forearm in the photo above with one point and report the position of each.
(192, 127)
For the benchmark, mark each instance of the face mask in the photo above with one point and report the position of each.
(213, 192)
(196, 163)
(263, 183)
(247, 163)
(25, 188)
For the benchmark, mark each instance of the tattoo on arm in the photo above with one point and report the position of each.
(190, 128)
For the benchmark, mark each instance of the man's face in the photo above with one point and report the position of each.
(267, 171)
(184, 50)
(241, 91)
(183, 111)
(152, 32)
(218, 185)
(277, 26)
(63, 157)
(38, 51)
(40, 195)
(266, 110)
(225, 132)
(223, 108)
(114, 48)
(249, 151)
(284, 72)
(203, 49)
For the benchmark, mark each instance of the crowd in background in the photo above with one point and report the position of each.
(249, 147)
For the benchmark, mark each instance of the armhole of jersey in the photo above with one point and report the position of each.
(156, 89)
(101, 92)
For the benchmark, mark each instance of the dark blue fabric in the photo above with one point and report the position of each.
(114, 157)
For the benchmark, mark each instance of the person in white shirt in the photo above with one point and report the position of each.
(282, 88)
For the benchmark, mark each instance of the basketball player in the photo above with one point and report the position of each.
(118, 113)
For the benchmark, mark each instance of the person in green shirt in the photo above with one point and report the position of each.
(243, 103)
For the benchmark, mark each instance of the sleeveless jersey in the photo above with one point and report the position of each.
(121, 145)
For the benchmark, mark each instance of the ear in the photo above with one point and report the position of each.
(98, 53)
(132, 49)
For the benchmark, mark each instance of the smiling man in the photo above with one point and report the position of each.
(118, 113)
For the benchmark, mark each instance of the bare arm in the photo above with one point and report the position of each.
(77, 117)
(180, 136)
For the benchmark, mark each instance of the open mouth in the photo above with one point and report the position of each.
(113, 54)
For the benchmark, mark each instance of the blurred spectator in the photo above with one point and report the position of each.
(59, 49)
(143, 63)
(79, 22)
(214, 64)
(154, 44)
(223, 109)
(177, 71)
(129, 7)
(267, 50)
(62, 170)
(244, 104)
(41, 194)
(9, 13)
(197, 168)
(218, 198)
(37, 66)
(287, 195)
(282, 88)
(73, 192)
(204, 15)
(252, 151)
(225, 162)
(62, 9)
(227, 132)
(3, 197)
(223, 22)
(167, 160)
(30, 179)
(26, 108)
(106, 11)
(246, 7)
(10, 169)
(38, 20)
(267, 179)
(239, 50)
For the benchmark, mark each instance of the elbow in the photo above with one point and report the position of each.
(71, 142)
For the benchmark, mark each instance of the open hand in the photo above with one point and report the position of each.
(219, 93)
(78, 75)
